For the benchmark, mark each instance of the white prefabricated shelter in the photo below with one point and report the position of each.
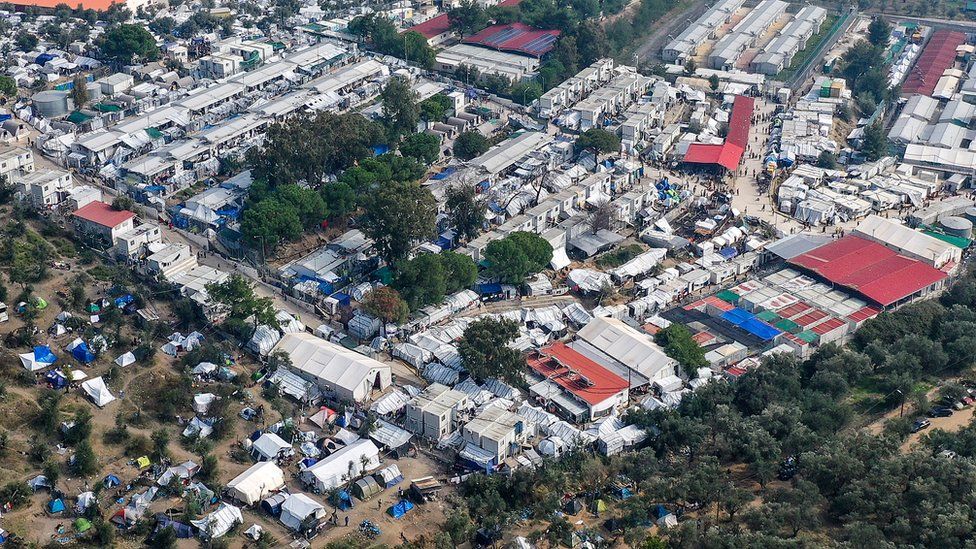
(345, 464)
(625, 345)
(256, 483)
(338, 371)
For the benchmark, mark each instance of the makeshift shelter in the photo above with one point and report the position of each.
(399, 509)
(204, 369)
(110, 481)
(598, 506)
(299, 510)
(389, 476)
(143, 462)
(256, 483)
(55, 380)
(38, 482)
(219, 522)
(85, 500)
(202, 402)
(573, 507)
(183, 530)
(97, 391)
(125, 359)
(323, 417)
(82, 525)
(38, 359)
(254, 532)
(366, 488)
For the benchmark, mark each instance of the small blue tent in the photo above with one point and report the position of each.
(110, 481)
(82, 353)
(401, 508)
(55, 380)
(183, 530)
(55, 506)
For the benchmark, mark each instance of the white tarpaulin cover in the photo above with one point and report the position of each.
(202, 401)
(219, 522)
(96, 390)
(256, 482)
(267, 446)
(344, 464)
(297, 508)
(126, 359)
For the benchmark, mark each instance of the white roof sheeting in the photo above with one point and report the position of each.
(504, 155)
(347, 373)
(908, 241)
(219, 522)
(628, 346)
(297, 508)
(269, 445)
(344, 464)
(256, 483)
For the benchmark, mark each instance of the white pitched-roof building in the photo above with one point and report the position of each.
(345, 374)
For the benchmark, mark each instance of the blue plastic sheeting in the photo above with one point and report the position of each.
(121, 302)
(760, 329)
(308, 462)
(444, 174)
(82, 353)
(155, 189)
(380, 149)
(443, 243)
(42, 353)
(55, 506)
(728, 252)
(55, 380)
(737, 316)
(401, 508)
(183, 531)
(345, 501)
(111, 480)
(489, 289)
(342, 298)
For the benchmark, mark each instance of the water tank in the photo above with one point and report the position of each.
(970, 214)
(957, 226)
(94, 92)
(51, 103)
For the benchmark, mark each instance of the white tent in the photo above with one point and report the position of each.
(263, 340)
(344, 464)
(219, 522)
(197, 428)
(268, 446)
(85, 500)
(126, 359)
(256, 483)
(202, 402)
(298, 508)
(204, 368)
(96, 390)
(38, 359)
(254, 532)
(76, 375)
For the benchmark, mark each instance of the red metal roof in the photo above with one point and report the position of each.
(576, 374)
(433, 26)
(795, 310)
(103, 214)
(939, 54)
(703, 338)
(873, 270)
(864, 313)
(828, 326)
(516, 38)
(728, 154)
(811, 318)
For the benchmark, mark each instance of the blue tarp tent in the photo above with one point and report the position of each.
(82, 353)
(489, 289)
(760, 329)
(737, 316)
(55, 506)
(121, 302)
(42, 353)
(308, 462)
(110, 481)
(342, 500)
(342, 298)
(183, 531)
(401, 508)
(55, 380)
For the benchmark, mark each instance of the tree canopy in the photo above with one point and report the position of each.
(400, 111)
(470, 144)
(428, 278)
(126, 43)
(513, 258)
(678, 344)
(382, 35)
(237, 296)
(485, 352)
(425, 147)
(386, 304)
(467, 18)
(599, 141)
(467, 210)
(396, 216)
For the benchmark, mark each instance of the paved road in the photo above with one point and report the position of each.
(670, 24)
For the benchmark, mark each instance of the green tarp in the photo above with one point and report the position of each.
(807, 336)
(728, 296)
(154, 133)
(78, 117)
(768, 316)
(788, 325)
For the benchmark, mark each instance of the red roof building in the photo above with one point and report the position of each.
(434, 27)
(728, 154)
(939, 54)
(516, 38)
(875, 271)
(102, 220)
(585, 388)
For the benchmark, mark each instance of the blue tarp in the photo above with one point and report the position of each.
(728, 252)
(82, 353)
(44, 58)
(121, 302)
(489, 289)
(308, 462)
(155, 189)
(345, 500)
(760, 329)
(55, 380)
(401, 508)
(342, 298)
(183, 531)
(444, 243)
(444, 174)
(380, 149)
(111, 480)
(42, 353)
(55, 506)
(737, 316)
